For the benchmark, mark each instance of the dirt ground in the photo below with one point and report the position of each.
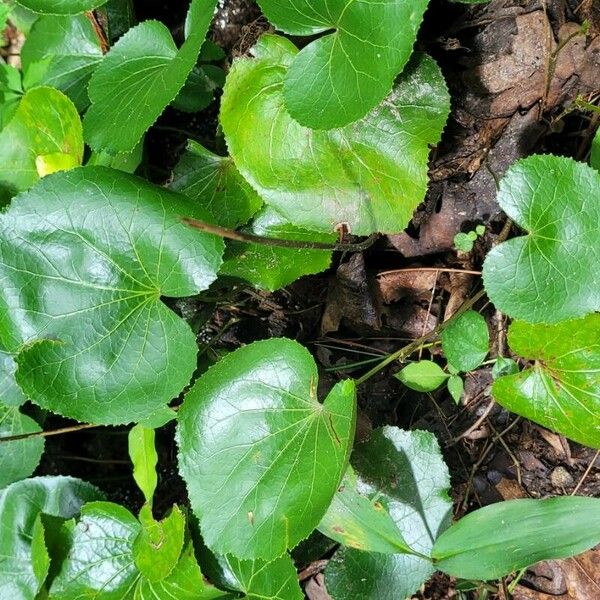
(515, 69)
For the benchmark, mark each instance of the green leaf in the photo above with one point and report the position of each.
(358, 521)
(100, 561)
(141, 74)
(40, 558)
(260, 580)
(184, 583)
(62, 52)
(552, 274)
(422, 376)
(505, 537)
(339, 77)
(466, 341)
(214, 183)
(10, 92)
(61, 7)
(159, 418)
(45, 122)
(456, 387)
(199, 89)
(10, 393)
(405, 472)
(274, 267)
(84, 259)
(463, 242)
(561, 391)
(504, 366)
(157, 548)
(261, 456)
(144, 457)
(128, 162)
(19, 458)
(20, 505)
(370, 175)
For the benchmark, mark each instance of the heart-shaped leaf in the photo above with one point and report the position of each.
(101, 564)
(275, 580)
(261, 456)
(505, 537)
(561, 390)
(18, 458)
(466, 341)
(20, 506)
(62, 52)
(45, 123)
(61, 7)
(84, 259)
(552, 274)
(370, 175)
(405, 473)
(274, 267)
(215, 183)
(100, 560)
(338, 78)
(140, 76)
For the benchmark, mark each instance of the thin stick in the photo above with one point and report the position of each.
(25, 436)
(587, 472)
(250, 238)
(428, 269)
(416, 344)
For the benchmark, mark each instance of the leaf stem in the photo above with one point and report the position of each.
(407, 350)
(250, 238)
(71, 429)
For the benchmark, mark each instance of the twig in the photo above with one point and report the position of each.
(416, 344)
(428, 269)
(25, 436)
(480, 420)
(250, 238)
(587, 472)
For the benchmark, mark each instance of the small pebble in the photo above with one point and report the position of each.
(561, 478)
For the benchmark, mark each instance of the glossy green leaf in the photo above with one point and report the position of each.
(159, 418)
(40, 558)
(18, 458)
(84, 259)
(184, 583)
(358, 521)
(466, 341)
(199, 89)
(20, 505)
(274, 267)
(261, 456)
(10, 393)
(62, 52)
(144, 457)
(561, 390)
(404, 472)
(553, 273)
(61, 7)
(504, 366)
(370, 175)
(45, 122)
(128, 162)
(339, 77)
(157, 548)
(100, 561)
(505, 537)
(456, 387)
(141, 74)
(260, 580)
(422, 376)
(214, 183)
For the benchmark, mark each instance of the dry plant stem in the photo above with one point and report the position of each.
(406, 351)
(428, 269)
(587, 472)
(249, 238)
(24, 436)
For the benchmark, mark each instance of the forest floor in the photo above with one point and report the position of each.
(515, 69)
